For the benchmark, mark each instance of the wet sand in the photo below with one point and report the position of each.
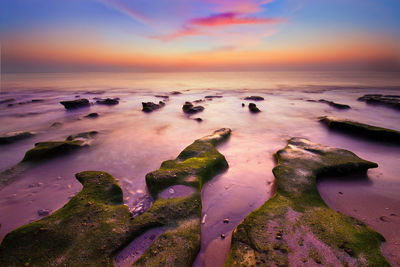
(132, 143)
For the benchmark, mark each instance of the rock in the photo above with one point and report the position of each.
(253, 108)
(92, 115)
(7, 100)
(43, 212)
(83, 135)
(108, 101)
(226, 220)
(37, 100)
(175, 93)
(391, 101)
(222, 236)
(243, 105)
(79, 234)
(56, 124)
(335, 105)
(254, 98)
(198, 101)
(198, 119)
(162, 96)
(213, 96)
(362, 130)
(13, 137)
(298, 209)
(73, 104)
(150, 106)
(188, 108)
(46, 150)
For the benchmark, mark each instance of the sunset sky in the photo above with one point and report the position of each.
(199, 35)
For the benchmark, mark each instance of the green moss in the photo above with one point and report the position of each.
(45, 150)
(297, 213)
(94, 225)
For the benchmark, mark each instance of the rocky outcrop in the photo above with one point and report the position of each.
(74, 104)
(295, 227)
(189, 108)
(13, 137)
(362, 130)
(150, 106)
(94, 225)
(391, 101)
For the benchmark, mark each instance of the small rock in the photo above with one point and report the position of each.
(384, 219)
(175, 93)
(254, 98)
(253, 108)
(188, 108)
(14, 136)
(73, 104)
(198, 119)
(171, 191)
(150, 106)
(108, 101)
(222, 236)
(213, 96)
(226, 220)
(92, 115)
(243, 105)
(340, 192)
(162, 96)
(56, 124)
(43, 212)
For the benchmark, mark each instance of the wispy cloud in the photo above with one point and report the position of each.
(230, 18)
(239, 6)
(198, 26)
(127, 9)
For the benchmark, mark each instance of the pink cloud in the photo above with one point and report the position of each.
(239, 6)
(185, 31)
(126, 9)
(230, 18)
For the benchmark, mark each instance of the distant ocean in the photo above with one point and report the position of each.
(254, 80)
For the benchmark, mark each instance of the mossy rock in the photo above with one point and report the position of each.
(362, 130)
(94, 225)
(13, 137)
(295, 227)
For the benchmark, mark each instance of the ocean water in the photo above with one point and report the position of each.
(132, 143)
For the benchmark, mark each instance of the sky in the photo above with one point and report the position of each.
(199, 35)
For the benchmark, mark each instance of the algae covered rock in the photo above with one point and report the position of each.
(334, 104)
(12, 137)
(108, 101)
(85, 232)
(94, 225)
(295, 227)
(74, 104)
(361, 129)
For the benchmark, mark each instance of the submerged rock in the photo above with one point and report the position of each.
(254, 98)
(95, 223)
(83, 136)
(108, 101)
(198, 119)
(188, 108)
(150, 106)
(7, 100)
(92, 115)
(253, 108)
(13, 137)
(162, 96)
(295, 225)
(73, 104)
(175, 93)
(361, 129)
(335, 105)
(391, 101)
(213, 96)
(56, 124)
